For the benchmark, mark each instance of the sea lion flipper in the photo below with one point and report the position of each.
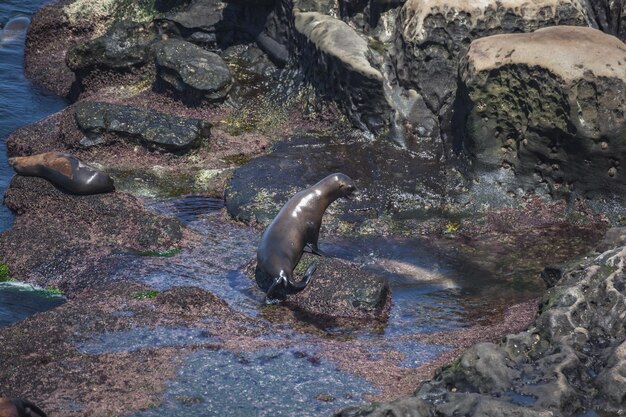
(29, 409)
(296, 287)
(315, 250)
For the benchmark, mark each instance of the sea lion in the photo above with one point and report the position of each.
(65, 171)
(296, 228)
(19, 408)
(14, 29)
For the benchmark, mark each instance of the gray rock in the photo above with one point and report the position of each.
(432, 36)
(336, 60)
(148, 127)
(125, 45)
(403, 407)
(194, 74)
(550, 107)
(341, 290)
(572, 359)
(609, 16)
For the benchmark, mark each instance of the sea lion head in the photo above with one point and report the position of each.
(343, 185)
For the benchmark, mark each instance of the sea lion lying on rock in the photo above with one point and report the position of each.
(19, 408)
(296, 228)
(65, 171)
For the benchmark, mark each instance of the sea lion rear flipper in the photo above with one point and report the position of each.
(296, 287)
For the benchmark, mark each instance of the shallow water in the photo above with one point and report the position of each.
(18, 301)
(21, 102)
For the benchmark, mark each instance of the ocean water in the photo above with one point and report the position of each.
(21, 102)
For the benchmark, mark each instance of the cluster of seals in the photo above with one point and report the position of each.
(65, 171)
(295, 229)
(19, 408)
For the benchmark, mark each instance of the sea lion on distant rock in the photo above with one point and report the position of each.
(19, 408)
(296, 228)
(65, 171)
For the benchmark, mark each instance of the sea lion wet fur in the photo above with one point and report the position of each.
(19, 408)
(65, 171)
(295, 228)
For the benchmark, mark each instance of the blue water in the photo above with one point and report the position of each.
(21, 102)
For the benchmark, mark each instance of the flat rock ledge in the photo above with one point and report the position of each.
(550, 107)
(340, 293)
(571, 360)
(150, 128)
(56, 234)
(194, 74)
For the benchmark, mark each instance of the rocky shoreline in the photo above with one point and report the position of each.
(490, 133)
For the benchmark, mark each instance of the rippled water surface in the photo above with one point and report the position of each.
(21, 102)
(18, 301)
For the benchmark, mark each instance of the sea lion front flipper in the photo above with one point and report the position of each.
(296, 287)
(315, 250)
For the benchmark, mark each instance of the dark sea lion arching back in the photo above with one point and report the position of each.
(296, 227)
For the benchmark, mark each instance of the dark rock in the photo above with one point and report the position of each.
(42, 246)
(550, 109)
(610, 16)
(571, 360)
(148, 127)
(551, 275)
(125, 45)
(341, 290)
(403, 407)
(193, 73)
(389, 180)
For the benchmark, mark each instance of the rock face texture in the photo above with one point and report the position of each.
(125, 45)
(150, 128)
(550, 106)
(193, 73)
(336, 59)
(42, 246)
(340, 290)
(432, 36)
(571, 360)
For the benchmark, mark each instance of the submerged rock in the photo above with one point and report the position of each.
(550, 108)
(193, 73)
(341, 290)
(148, 127)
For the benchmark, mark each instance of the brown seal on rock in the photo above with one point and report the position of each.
(296, 228)
(19, 408)
(65, 171)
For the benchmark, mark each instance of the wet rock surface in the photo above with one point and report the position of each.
(555, 126)
(41, 248)
(192, 72)
(383, 173)
(150, 128)
(567, 362)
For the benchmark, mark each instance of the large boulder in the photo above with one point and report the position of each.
(337, 61)
(433, 35)
(191, 72)
(550, 108)
(148, 127)
(572, 359)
